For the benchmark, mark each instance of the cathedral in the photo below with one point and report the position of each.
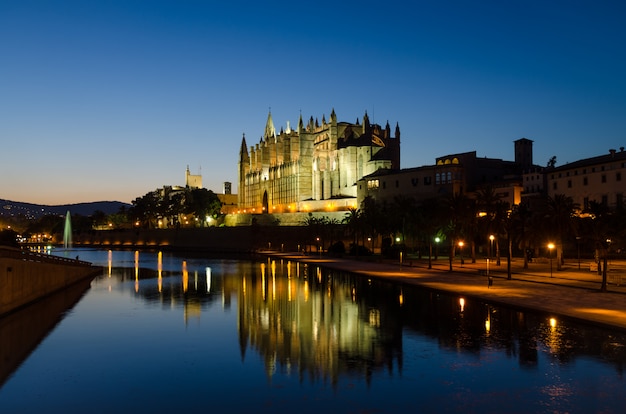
(314, 167)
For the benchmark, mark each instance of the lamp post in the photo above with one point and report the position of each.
(551, 246)
(461, 251)
(491, 237)
(437, 240)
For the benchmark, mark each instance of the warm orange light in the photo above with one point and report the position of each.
(551, 246)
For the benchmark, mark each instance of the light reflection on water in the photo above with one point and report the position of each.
(160, 332)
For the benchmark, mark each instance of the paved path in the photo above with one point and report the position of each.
(568, 292)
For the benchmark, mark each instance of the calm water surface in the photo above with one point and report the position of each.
(163, 333)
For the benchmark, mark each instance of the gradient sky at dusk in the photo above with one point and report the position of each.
(107, 100)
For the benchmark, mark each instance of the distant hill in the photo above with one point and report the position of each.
(35, 211)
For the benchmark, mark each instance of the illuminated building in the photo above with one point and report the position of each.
(314, 167)
(462, 173)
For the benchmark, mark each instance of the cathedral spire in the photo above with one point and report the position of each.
(270, 131)
(243, 151)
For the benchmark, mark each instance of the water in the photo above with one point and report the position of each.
(166, 333)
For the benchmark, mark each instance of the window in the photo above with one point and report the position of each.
(428, 180)
(604, 178)
(397, 183)
(569, 183)
(619, 200)
(585, 181)
(437, 179)
(605, 200)
(372, 184)
(618, 176)
(554, 185)
(384, 185)
(414, 181)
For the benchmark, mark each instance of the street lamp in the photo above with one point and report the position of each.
(437, 240)
(461, 251)
(551, 246)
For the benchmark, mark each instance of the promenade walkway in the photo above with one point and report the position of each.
(569, 292)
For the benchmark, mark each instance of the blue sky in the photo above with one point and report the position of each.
(107, 100)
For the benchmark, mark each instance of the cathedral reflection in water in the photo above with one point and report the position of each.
(303, 320)
(322, 325)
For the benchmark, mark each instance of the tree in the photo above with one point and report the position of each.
(558, 219)
(352, 219)
(521, 217)
(603, 226)
(145, 209)
(430, 223)
(8, 237)
(490, 209)
(459, 209)
(202, 203)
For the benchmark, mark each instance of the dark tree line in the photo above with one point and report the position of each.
(490, 225)
(175, 208)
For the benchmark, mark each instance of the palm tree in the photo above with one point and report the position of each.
(458, 206)
(430, 223)
(559, 219)
(602, 225)
(521, 217)
(488, 204)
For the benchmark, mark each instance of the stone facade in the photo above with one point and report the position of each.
(601, 179)
(314, 167)
(462, 173)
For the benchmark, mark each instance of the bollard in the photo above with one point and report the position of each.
(489, 282)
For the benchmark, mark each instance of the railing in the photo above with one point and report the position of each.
(25, 255)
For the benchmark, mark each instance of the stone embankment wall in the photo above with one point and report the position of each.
(26, 276)
(244, 239)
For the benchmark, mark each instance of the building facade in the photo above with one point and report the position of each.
(314, 167)
(600, 179)
(462, 173)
